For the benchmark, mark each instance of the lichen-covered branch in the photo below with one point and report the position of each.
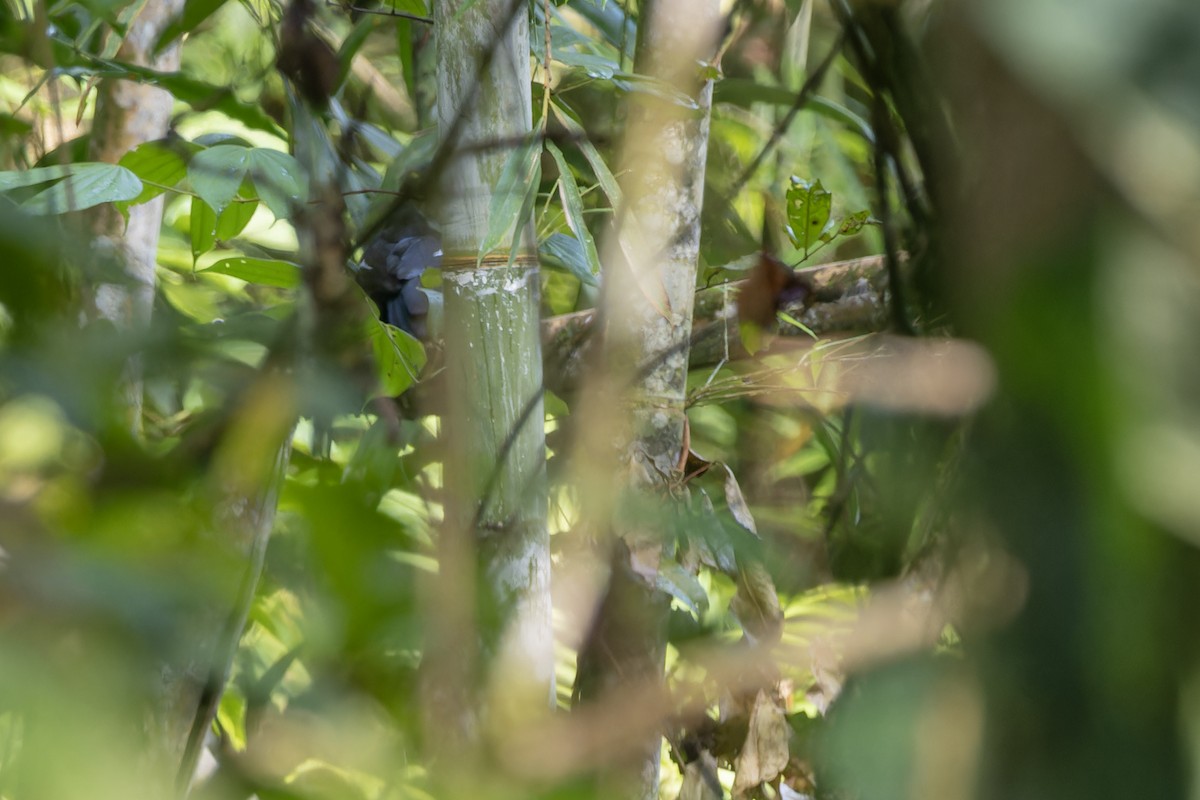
(850, 297)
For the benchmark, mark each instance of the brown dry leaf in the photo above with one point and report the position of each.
(765, 753)
(700, 779)
(737, 502)
(827, 674)
(756, 603)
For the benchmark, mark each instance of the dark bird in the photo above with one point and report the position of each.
(391, 268)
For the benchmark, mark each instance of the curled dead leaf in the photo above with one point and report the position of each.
(765, 753)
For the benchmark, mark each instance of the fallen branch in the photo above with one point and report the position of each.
(850, 297)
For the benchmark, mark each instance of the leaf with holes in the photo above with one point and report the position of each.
(849, 225)
(808, 209)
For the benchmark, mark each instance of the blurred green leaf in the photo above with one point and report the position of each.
(517, 182)
(267, 272)
(194, 13)
(217, 173)
(399, 357)
(279, 180)
(673, 579)
(849, 225)
(73, 187)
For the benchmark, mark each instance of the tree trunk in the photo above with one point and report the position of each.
(494, 540)
(647, 304)
(128, 114)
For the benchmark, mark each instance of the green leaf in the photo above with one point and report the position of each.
(194, 13)
(399, 357)
(598, 67)
(645, 84)
(573, 206)
(604, 176)
(745, 92)
(850, 225)
(217, 173)
(234, 219)
(351, 46)
(73, 186)
(404, 49)
(159, 165)
(279, 180)
(808, 208)
(673, 579)
(206, 227)
(108, 10)
(16, 179)
(202, 228)
(517, 181)
(198, 94)
(561, 250)
(263, 271)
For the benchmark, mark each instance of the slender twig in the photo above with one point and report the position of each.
(447, 146)
(382, 12)
(886, 223)
(802, 97)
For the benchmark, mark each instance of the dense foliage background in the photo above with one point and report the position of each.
(900, 564)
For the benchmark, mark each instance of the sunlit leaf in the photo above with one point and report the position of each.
(676, 581)
(73, 186)
(267, 272)
(808, 209)
(159, 165)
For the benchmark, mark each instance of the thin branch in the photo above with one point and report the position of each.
(802, 97)
(382, 12)
(447, 146)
